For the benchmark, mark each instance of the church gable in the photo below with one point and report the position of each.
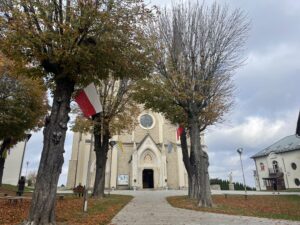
(148, 152)
(147, 141)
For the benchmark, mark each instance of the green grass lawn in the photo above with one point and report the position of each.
(12, 189)
(273, 206)
(291, 190)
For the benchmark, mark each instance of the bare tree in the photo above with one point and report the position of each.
(199, 47)
(202, 48)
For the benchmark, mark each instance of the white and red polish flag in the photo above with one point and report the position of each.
(88, 100)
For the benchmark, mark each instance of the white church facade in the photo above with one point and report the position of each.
(148, 157)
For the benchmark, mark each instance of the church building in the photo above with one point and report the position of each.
(148, 157)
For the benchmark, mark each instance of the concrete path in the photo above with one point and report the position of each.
(151, 208)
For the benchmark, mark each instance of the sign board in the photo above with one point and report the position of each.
(123, 179)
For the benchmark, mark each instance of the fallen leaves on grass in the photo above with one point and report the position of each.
(69, 210)
(276, 207)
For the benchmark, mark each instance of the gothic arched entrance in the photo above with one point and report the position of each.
(148, 178)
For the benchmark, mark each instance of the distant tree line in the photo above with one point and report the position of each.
(224, 184)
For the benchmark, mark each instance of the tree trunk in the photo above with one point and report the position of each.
(199, 163)
(6, 142)
(189, 163)
(2, 162)
(204, 199)
(186, 161)
(101, 148)
(195, 186)
(42, 211)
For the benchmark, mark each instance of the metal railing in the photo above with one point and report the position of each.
(273, 171)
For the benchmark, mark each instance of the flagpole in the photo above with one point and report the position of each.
(87, 183)
(111, 155)
(89, 102)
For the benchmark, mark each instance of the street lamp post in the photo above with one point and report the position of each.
(23, 154)
(240, 150)
(112, 144)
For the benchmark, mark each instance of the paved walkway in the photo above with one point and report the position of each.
(151, 208)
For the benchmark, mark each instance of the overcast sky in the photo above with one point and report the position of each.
(266, 98)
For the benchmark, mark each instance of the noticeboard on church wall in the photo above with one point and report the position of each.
(123, 179)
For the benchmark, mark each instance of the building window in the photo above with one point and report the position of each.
(294, 166)
(146, 121)
(275, 166)
(262, 166)
(297, 181)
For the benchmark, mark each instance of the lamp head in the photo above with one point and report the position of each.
(112, 143)
(240, 150)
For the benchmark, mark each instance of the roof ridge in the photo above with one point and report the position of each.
(271, 148)
(279, 141)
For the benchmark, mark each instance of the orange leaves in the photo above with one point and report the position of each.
(13, 213)
(68, 211)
